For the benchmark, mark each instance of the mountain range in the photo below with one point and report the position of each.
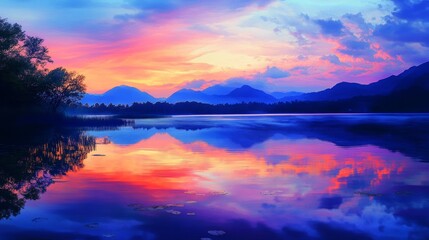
(413, 78)
(214, 95)
(119, 95)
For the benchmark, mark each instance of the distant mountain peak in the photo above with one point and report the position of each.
(248, 94)
(218, 90)
(122, 94)
(124, 87)
(417, 77)
(246, 87)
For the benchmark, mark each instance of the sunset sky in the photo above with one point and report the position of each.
(160, 46)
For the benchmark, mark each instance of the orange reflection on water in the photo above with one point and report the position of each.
(163, 163)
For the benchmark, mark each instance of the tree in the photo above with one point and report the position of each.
(25, 82)
(62, 88)
(22, 62)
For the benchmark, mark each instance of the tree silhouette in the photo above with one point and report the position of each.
(25, 83)
(63, 88)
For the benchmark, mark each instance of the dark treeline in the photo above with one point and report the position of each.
(412, 100)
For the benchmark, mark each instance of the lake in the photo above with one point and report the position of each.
(222, 177)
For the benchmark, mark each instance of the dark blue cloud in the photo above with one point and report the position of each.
(332, 58)
(404, 32)
(275, 72)
(409, 23)
(357, 48)
(331, 27)
(412, 10)
(263, 81)
(355, 44)
(260, 83)
(408, 53)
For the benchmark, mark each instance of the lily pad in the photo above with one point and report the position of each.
(216, 232)
(38, 219)
(174, 212)
(156, 208)
(175, 205)
(92, 225)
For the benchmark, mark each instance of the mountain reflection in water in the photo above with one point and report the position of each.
(231, 177)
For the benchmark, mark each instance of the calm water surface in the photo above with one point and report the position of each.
(225, 177)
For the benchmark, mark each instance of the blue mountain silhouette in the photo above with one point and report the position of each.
(119, 95)
(218, 90)
(280, 95)
(237, 95)
(415, 77)
(189, 95)
(249, 94)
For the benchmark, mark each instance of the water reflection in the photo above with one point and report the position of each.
(242, 178)
(28, 169)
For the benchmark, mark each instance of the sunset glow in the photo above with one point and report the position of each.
(162, 46)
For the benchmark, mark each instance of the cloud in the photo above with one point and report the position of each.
(260, 83)
(149, 8)
(331, 27)
(412, 10)
(357, 24)
(332, 58)
(300, 70)
(275, 72)
(404, 32)
(357, 48)
(409, 23)
(407, 52)
(197, 84)
(268, 81)
(302, 57)
(172, 42)
(167, 5)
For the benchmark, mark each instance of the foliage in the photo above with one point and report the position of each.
(63, 88)
(25, 82)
